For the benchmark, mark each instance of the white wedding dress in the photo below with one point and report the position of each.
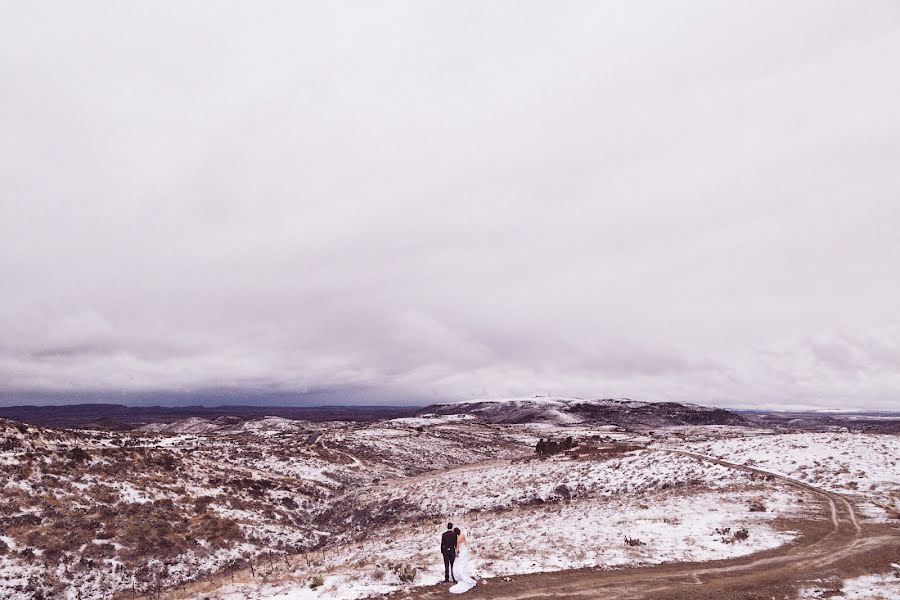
(462, 571)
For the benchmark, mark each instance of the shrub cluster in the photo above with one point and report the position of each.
(550, 447)
(730, 538)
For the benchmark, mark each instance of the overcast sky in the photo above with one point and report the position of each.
(689, 201)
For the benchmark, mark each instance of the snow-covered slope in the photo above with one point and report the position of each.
(84, 514)
(865, 466)
(566, 411)
(226, 425)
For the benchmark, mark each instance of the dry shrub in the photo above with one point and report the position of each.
(406, 573)
(730, 538)
(757, 506)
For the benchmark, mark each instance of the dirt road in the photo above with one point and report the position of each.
(835, 545)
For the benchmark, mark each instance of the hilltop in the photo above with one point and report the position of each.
(570, 411)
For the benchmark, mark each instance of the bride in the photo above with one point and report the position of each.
(462, 567)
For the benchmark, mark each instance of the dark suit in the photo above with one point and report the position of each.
(448, 549)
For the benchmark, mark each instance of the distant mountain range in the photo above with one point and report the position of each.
(538, 409)
(227, 425)
(607, 411)
(236, 419)
(117, 417)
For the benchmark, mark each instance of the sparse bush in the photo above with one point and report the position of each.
(78, 455)
(8, 444)
(378, 574)
(201, 504)
(4, 548)
(757, 506)
(729, 538)
(406, 573)
(561, 492)
(39, 587)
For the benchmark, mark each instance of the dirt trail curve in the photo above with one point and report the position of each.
(835, 545)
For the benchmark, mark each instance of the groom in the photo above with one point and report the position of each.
(448, 549)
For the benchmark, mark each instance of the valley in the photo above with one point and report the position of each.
(231, 508)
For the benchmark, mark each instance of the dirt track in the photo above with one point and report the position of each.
(836, 545)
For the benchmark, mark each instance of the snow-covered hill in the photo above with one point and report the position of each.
(227, 425)
(608, 411)
(86, 513)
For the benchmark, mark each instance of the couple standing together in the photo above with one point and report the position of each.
(456, 560)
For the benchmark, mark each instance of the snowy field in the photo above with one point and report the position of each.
(885, 586)
(85, 513)
(500, 485)
(545, 515)
(580, 534)
(863, 466)
(341, 510)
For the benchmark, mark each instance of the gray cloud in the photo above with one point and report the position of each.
(693, 202)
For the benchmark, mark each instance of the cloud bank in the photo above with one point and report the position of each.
(692, 202)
